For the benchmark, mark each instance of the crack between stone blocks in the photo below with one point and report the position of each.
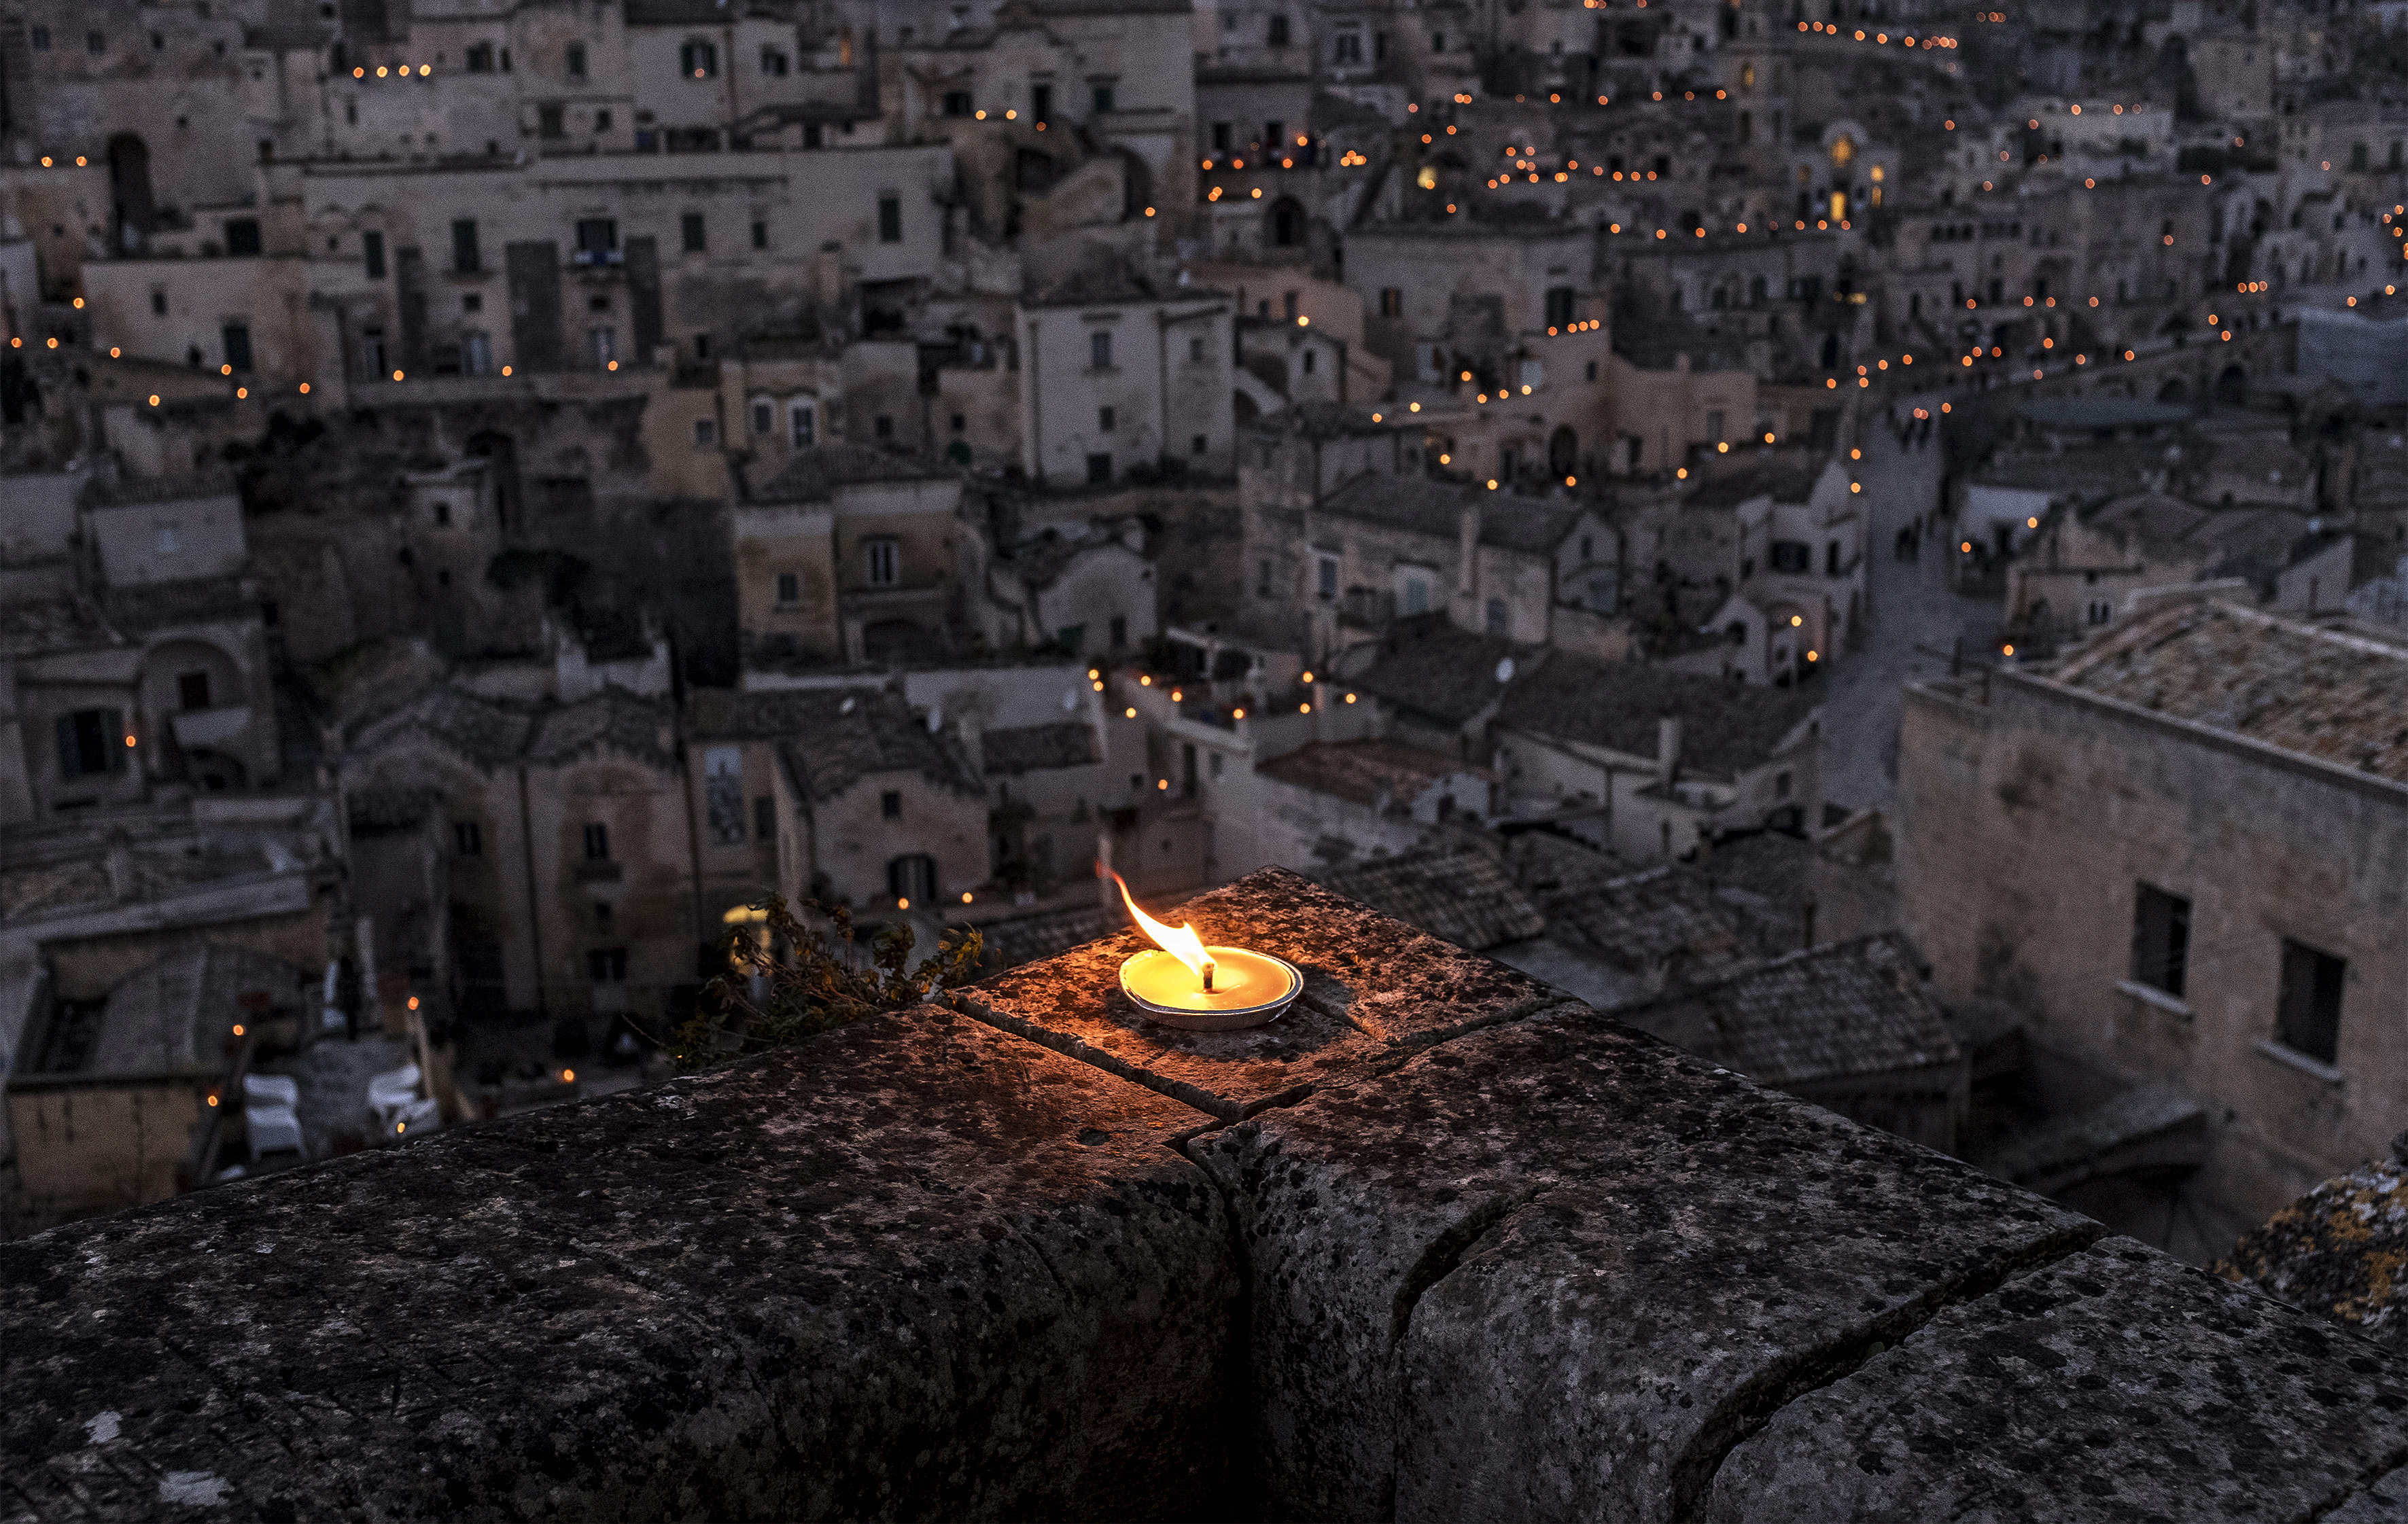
(1094, 1058)
(2357, 1488)
(1741, 1415)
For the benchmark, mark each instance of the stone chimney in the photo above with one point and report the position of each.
(1467, 554)
(972, 728)
(1668, 749)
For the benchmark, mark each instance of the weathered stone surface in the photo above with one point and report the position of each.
(1375, 990)
(1550, 1268)
(2116, 1384)
(2383, 1501)
(915, 1268)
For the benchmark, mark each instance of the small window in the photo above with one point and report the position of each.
(1795, 557)
(883, 426)
(372, 255)
(764, 817)
(480, 58)
(596, 236)
(1194, 351)
(40, 38)
(1103, 421)
(1119, 630)
(760, 233)
(1392, 302)
(159, 304)
(95, 42)
(237, 347)
(464, 246)
(1100, 350)
(2160, 939)
(705, 433)
(765, 416)
(1040, 102)
(1099, 470)
(698, 60)
(773, 64)
(598, 842)
(1263, 579)
(890, 220)
(691, 233)
(802, 426)
(882, 562)
(1417, 595)
(913, 880)
(890, 804)
(955, 103)
(551, 120)
(1198, 445)
(790, 589)
(91, 742)
(442, 515)
(602, 914)
(702, 346)
(242, 236)
(1101, 99)
(607, 965)
(1277, 35)
(573, 60)
(193, 689)
(1328, 575)
(2309, 1014)
(1781, 785)
(468, 838)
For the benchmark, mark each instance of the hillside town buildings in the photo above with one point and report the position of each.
(489, 496)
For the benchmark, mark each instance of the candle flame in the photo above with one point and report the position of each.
(1181, 942)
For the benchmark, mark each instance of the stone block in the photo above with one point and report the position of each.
(917, 1267)
(1375, 991)
(1554, 1268)
(2116, 1384)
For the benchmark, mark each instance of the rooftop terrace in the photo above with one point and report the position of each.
(1440, 1243)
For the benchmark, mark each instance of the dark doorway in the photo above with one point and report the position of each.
(131, 208)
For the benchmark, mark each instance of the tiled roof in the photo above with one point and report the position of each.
(1432, 668)
(1458, 893)
(172, 1015)
(2305, 688)
(812, 476)
(488, 733)
(1783, 481)
(1427, 505)
(1853, 1008)
(1017, 749)
(1024, 939)
(1726, 727)
(1644, 921)
(614, 718)
(1363, 772)
(855, 734)
(721, 714)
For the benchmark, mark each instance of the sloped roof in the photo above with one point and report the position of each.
(612, 717)
(1432, 507)
(2316, 691)
(1853, 1008)
(853, 735)
(1457, 894)
(1644, 920)
(487, 732)
(1024, 939)
(1434, 669)
(1726, 727)
(721, 714)
(1022, 749)
(1783, 481)
(1362, 772)
(812, 476)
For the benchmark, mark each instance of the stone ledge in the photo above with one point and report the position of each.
(1489, 1255)
(1375, 991)
(1555, 1269)
(917, 1268)
(2116, 1384)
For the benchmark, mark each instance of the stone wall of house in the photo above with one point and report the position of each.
(1440, 1243)
(2029, 819)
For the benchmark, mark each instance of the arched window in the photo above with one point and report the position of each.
(765, 416)
(802, 423)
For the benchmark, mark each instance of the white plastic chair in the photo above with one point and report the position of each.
(269, 1128)
(271, 1090)
(393, 1093)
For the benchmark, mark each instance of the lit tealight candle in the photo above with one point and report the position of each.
(1183, 983)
